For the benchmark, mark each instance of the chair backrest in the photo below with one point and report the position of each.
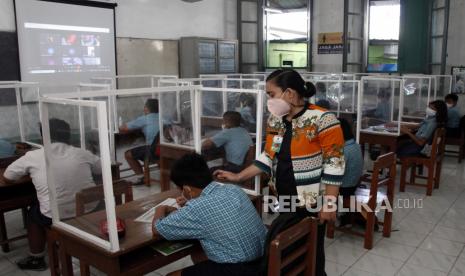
(250, 156)
(462, 127)
(438, 144)
(94, 194)
(383, 162)
(293, 251)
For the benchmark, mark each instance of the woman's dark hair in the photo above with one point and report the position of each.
(289, 78)
(191, 170)
(441, 111)
(60, 131)
(346, 129)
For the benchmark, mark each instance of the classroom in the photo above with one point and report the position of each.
(232, 137)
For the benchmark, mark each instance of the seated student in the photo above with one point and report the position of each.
(221, 217)
(149, 125)
(353, 159)
(436, 116)
(235, 140)
(453, 116)
(383, 109)
(72, 170)
(6, 149)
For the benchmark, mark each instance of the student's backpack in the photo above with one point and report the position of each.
(281, 223)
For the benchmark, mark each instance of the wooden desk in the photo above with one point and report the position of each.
(135, 257)
(19, 195)
(389, 141)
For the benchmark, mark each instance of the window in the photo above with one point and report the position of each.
(287, 33)
(383, 36)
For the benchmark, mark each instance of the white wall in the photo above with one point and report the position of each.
(171, 19)
(161, 19)
(455, 47)
(7, 16)
(327, 18)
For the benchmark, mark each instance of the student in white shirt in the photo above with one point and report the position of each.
(72, 171)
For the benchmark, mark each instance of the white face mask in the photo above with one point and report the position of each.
(449, 105)
(430, 112)
(278, 107)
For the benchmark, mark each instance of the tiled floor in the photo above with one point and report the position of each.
(425, 241)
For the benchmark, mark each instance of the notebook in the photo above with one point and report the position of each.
(167, 248)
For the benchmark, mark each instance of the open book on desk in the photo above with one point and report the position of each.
(147, 217)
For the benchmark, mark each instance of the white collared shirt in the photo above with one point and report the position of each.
(72, 170)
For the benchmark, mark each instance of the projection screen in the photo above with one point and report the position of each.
(63, 44)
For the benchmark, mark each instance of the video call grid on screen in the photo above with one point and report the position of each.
(57, 44)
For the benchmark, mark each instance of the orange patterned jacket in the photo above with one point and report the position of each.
(316, 151)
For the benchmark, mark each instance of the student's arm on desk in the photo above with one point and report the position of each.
(160, 212)
(186, 223)
(17, 172)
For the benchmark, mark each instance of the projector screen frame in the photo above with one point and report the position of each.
(90, 3)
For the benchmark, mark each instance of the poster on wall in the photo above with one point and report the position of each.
(330, 43)
(458, 79)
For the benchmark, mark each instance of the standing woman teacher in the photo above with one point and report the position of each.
(303, 152)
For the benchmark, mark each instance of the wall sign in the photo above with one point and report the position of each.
(330, 43)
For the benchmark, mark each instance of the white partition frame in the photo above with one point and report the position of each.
(355, 92)
(113, 244)
(112, 94)
(195, 116)
(260, 97)
(420, 77)
(153, 79)
(401, 104)
(436, 84)
(17, 85)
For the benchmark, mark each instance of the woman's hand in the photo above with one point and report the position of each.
(327, 214)
(226, 176)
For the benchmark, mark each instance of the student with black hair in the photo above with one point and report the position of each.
(453, 115)
(234, 139)
(149, 124)
(303, 152)
(72, 170)
(221, 217)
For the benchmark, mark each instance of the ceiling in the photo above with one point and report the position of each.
(287, 4)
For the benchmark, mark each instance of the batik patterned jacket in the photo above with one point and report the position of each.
(316, 152)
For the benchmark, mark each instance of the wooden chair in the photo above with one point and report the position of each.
(432, 163)
(248, 160)
(86, 196)
(302, 239)
(367, 200)
(458, 141)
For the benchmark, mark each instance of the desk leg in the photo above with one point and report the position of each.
(3, 235)
(65, 261)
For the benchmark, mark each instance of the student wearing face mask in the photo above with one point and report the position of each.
(436, 116)
(303, 153)
(221, 217)
(234, 139)
(453, 115)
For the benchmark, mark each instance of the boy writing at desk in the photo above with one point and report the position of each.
(235, 140)
(221, 217)
(72, 171)
(149, 125)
